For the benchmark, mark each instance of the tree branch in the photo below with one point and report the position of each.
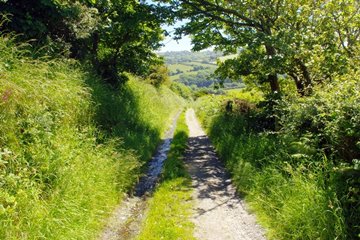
(214, 11)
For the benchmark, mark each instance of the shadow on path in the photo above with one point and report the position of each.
(219, 212)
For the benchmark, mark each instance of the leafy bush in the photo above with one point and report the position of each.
(158, 76)
(137, 113)
(331, 115)
(328, 123)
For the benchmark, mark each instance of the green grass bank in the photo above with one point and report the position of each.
(70, 146)
(170, 207)
(297, 180)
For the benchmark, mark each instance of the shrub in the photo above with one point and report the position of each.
(158, 76)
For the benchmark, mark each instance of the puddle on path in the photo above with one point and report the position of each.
(147, 182)
(126, 220)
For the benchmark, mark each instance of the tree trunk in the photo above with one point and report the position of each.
(94, 49)
(306, 78)
(272, 78)
(298, 83)
(302, 78)
(274, 83)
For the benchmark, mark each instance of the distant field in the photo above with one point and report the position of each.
(187, 68)
(195, 68)
(213, 65)
(181, 67)
(177, 76)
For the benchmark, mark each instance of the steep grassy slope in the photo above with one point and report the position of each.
(69, 146)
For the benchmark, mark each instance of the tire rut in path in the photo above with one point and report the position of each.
(218, 212)
(125, 222)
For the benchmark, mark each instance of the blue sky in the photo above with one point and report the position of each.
(171, 44)
(175, 45)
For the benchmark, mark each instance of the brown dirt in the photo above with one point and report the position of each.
(218, 213)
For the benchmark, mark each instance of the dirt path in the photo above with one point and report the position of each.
(126, 220)
(218, 212)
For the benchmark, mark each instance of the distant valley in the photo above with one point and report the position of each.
(196, 69)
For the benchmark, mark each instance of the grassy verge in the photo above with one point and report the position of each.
(69, 145)
(294, 198)
(169, 208)
(137, 113)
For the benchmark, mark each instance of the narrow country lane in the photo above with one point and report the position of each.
(218, 212)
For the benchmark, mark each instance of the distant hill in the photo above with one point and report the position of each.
(195, 69)
(186, 56)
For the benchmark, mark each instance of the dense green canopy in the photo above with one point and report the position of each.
(116, 36)
(304, 39)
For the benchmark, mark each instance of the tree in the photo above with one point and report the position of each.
(116, 36)
(272, 37)
(58, 23)
(126, 39)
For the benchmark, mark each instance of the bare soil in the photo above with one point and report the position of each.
(218, 213)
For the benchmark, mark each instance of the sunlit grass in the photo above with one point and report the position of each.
(292, 199)
(170, 207)
(69, 145)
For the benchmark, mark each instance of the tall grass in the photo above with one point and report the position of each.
(169, 209)
(69, 146)
(138, 113)
(294, 198)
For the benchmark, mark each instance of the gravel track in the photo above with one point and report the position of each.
(218, 212)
